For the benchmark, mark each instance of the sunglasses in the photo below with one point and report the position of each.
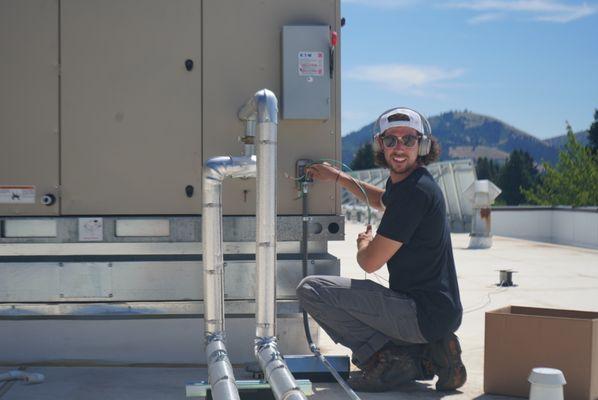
(391, 141)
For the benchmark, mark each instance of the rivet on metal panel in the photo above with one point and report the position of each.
(313, 262)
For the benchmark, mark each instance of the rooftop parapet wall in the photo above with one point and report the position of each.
(559, 224)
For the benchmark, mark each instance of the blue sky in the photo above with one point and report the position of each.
(530, 63)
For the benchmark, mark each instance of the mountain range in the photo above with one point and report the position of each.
(465, 134)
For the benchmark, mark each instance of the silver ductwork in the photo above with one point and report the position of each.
(260, 114)
(220, 371)
(271, 362)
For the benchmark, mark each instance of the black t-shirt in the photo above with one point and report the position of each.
(423, 267)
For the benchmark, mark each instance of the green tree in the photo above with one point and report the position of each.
(487, 169)
(364, 158)
(517, 174)
(593, 133)
(574, 179)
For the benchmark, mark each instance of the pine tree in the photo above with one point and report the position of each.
(593, 133)
(364, 158)
(487, 169)
(574, 179)
(517, 174)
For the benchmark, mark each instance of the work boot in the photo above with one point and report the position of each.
(385, 370)
(443, 358)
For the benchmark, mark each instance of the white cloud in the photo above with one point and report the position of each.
(420, 80)
(541, 10)
(485, 17)
(382, 3)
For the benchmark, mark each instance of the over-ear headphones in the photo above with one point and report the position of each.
(403, 116)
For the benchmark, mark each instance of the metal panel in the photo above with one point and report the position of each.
(29, 101)
(29, 228)
(143, 280)
(131, 111)
(142, 227)
(242, 45)
(182, 229)
(132, 310)
(85, 280)
(28, 282)
(156, 340)
(306, 72)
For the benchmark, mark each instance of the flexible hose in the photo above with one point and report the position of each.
(304, 259)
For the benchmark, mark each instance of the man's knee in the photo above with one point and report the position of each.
(309, 291)
(306, 289)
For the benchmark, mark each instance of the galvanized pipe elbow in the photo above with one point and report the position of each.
(263, 106)
(218, 168)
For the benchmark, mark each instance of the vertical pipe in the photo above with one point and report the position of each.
(284, 386)
(220, 371)
(211, 236)
(266, 230)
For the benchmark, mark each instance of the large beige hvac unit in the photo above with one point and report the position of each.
(108, 110)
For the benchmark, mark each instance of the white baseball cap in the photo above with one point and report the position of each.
(402, 116)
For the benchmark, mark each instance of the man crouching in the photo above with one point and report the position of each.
(405, 332)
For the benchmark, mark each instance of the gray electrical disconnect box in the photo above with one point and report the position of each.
(306, 72)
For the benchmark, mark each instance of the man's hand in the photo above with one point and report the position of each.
(373, 253)
(364, 238)
(323, 172)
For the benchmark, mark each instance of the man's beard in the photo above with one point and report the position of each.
(404, 168)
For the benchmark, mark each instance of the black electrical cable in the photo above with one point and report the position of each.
(304, 254)
(304, 260)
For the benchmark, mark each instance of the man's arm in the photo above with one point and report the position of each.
(326, 172)
(373, 253)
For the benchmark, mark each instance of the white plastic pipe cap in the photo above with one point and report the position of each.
(546, 384)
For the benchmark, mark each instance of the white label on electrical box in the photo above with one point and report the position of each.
(91, 229)
(17, 194)
(311, 63)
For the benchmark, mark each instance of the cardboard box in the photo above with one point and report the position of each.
(521, 338)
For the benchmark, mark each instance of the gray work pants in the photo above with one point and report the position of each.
(360, 314)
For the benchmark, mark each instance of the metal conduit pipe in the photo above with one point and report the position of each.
(220, 371)
(27, 377)
(264, 106)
